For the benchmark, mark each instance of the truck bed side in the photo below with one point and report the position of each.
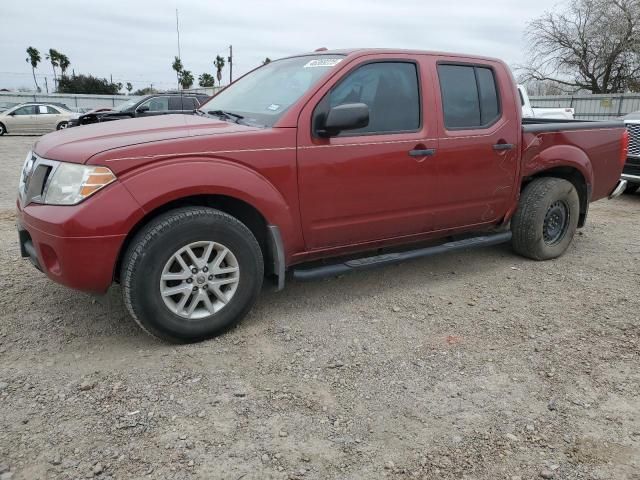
(591, 148)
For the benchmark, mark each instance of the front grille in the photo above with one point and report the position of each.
(34, 179)
(634, 139)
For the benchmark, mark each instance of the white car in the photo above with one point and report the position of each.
(562, 113)
(35, 118)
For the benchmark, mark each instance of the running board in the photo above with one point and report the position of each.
(391, 258)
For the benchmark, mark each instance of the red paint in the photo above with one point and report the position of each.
(328, 196)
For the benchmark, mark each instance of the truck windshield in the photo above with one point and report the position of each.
(262, 96)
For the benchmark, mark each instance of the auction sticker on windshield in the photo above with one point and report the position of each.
(323, 62)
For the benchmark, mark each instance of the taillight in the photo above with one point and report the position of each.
(625, 147)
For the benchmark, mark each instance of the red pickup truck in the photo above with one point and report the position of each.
(307, 159)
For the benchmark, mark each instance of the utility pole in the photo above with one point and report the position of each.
(46, 85)
(230, 61)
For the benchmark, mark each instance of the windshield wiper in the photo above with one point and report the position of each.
(228, 115)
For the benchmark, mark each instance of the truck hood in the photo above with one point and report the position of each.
(78, 144)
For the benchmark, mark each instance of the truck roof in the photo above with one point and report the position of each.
(373, 51)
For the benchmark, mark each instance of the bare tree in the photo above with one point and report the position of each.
(591, 45)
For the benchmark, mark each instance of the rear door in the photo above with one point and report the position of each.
(368, 184)
(479, 135)
(182, 104)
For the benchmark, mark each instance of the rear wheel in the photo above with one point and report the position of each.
(191, 274)
(3, 130)
(62, 125)
(546, 219)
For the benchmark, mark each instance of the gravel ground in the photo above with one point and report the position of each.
(475, 365)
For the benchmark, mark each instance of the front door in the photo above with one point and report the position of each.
(23, 120)
(376, 182)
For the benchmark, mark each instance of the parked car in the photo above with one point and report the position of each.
(631, 171)
(7, 105)
(151, 105)
(308, 158)
(528, 111)
(35, 118)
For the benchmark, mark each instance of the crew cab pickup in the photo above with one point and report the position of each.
(304, 166)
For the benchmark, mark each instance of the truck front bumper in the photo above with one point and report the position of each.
(78, 246)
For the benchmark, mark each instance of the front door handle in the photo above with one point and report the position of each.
(503, 146)
(427, 152)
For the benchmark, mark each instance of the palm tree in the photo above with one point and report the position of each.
(54, 57)
(206, 80)
(34, 59)
(177, 66)
(219, 64)
(129, 87)
(64, 63)
(186, 79)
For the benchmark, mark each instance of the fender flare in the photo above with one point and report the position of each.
(173, 181)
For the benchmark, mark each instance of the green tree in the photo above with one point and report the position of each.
(34, 59)
(177, 66)
(54, 57)
(266, 60)
(119, 85)
(86, 84)
(206, 80)
(186, 79)
(219, 64)
(64, 63)
(145, 91)
(129, 87)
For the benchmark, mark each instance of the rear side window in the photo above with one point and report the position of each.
(182, 103)
(389, 89)
(52, 110)
(469, 96)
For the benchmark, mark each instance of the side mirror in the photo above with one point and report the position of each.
(142, 109)
(349, 116)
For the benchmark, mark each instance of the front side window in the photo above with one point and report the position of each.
(157, 104)
(389, 89)
(469, 96)
(264, 95)
(26, 110)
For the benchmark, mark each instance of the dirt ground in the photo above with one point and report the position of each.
(474, 365)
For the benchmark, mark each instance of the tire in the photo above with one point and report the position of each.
(157, 247)
(631, 188)
(3, 129)
(62, 125)
(539, 231)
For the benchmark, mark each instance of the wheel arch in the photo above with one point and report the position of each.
(573, 175)
(246, 213)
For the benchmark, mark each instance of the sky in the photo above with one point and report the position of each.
(135, 41)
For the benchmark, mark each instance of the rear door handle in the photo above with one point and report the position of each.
(427, 152)
(503, 146)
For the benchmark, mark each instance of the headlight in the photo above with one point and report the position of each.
(71, 183)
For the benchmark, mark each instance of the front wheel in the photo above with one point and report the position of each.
(191, 274)
(631, 188)
(62, 125)
(546, 219)
(3, 130)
